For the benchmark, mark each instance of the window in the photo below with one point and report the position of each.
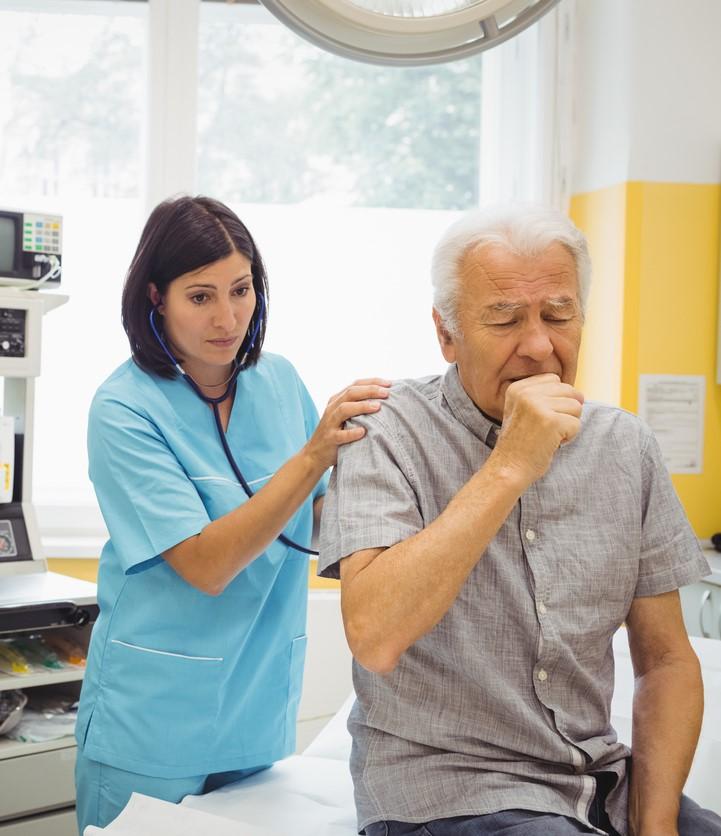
(72, 86)
(346, 174)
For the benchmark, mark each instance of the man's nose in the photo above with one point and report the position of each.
(535, 343)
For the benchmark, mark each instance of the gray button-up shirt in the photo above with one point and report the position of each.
(505, 703)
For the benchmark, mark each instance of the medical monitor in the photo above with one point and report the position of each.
(30, 249)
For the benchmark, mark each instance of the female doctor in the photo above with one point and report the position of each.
(195, 664)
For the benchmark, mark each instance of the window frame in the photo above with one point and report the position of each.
(170, 139)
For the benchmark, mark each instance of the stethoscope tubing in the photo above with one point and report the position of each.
(246, 487)
(214, 403)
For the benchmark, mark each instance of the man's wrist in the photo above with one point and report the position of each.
(508, 472)
(655, 830)
(658, 824)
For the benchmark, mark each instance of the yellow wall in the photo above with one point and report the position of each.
(602, 216)
(77, 567)
(655, 248)
(87, 570)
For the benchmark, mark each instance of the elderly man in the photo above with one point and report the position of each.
(492, 531)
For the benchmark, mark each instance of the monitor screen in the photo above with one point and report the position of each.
(7, 245)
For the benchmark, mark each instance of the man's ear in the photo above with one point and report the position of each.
(156, 300)
(445, 340)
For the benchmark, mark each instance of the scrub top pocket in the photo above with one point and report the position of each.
(170, 719)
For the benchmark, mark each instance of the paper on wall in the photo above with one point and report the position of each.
(673, 406)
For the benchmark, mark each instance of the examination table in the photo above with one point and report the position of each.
(312, 795)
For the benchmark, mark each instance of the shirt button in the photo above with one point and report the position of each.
(542, 675)
(542, 608)
(530, 535)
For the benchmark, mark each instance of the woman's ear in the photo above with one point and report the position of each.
(155, 298)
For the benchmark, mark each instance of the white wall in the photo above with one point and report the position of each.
(601, 94)
(648, 87)
(327, 678)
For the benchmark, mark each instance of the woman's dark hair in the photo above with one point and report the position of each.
(182, 235)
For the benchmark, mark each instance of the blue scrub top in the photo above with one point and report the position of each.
(179, 682)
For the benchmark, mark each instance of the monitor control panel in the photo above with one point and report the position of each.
(42, 233)
(12, 332)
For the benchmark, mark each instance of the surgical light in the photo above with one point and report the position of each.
(407, 32)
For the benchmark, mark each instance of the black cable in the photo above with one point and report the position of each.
(246, 487)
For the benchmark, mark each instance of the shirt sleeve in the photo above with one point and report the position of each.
(370, 501)
(147, 500)
(671, 556)
(310, 417)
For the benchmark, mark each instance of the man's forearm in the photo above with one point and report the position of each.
(415, 582)
(667, 714)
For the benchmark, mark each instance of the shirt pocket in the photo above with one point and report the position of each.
(157, 706)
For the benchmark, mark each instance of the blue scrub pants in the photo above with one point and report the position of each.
(103, 791)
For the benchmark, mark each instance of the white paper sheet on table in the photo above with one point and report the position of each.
(300, 796)
(144, 816)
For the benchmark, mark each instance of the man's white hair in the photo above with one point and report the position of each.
(522, 230)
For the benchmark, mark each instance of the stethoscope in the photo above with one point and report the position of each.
(214, 402)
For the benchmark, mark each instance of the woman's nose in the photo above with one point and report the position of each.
(224, 316)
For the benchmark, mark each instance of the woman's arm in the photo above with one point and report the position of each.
(210, 560)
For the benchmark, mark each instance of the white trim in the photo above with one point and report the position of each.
(229, 481)
(104, 8)
(172, 105)
(214, 479)
(519, 100)
(261, 479)
(165, 652)
(554, 106)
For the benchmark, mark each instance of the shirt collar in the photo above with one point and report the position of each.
(465, 411)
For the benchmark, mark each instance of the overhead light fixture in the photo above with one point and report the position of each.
(407, 32)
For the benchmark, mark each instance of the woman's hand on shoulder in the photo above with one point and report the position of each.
(360, 398)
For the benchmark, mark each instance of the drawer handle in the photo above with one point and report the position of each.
(705, 599)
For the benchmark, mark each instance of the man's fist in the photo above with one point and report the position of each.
(540, 414)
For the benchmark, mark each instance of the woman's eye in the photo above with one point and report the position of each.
(242, 291)
(199, 298)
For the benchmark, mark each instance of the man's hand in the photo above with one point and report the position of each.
(540, 414)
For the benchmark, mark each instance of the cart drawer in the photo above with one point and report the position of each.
(37, 782)
(52, 824)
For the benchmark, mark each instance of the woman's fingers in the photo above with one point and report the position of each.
(360, 398)
(360, 392)
(352, 434)
(372, 381)
(350, 409)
